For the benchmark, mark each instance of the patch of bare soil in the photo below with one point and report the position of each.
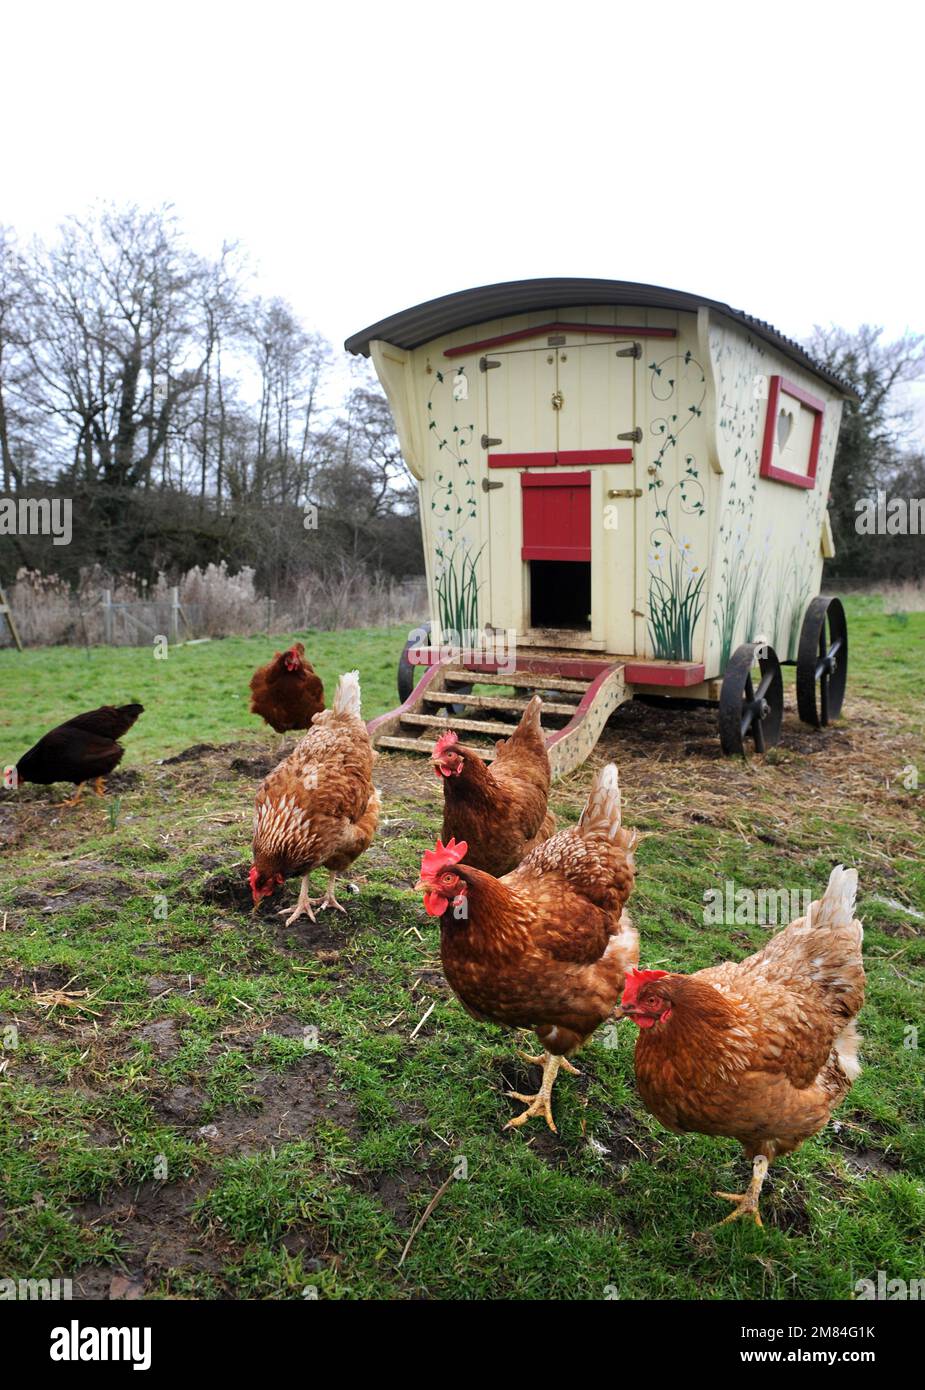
(89, 881)
(288, 1105)
(154, 1221)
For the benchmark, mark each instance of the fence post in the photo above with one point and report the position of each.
(7, 613)
(107, 617)
(174, 616)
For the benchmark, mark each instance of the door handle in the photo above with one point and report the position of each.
(625, 492)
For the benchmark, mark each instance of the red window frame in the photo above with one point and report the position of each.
(778, 387)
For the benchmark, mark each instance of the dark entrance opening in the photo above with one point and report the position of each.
(560, 594)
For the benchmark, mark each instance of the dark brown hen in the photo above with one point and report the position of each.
(83, 749)
(285, 692)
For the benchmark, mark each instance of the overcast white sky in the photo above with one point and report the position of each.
(370, 156)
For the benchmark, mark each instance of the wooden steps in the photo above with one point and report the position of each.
(420, 745)
(571, 726)
(502, 702)
(528, 680)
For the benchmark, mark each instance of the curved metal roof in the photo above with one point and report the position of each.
(437, 317)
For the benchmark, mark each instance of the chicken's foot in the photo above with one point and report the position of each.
(540, 1104)
(78, 793)
(329, 899)
(302, 907)
(539, 1060)
(747, 1202)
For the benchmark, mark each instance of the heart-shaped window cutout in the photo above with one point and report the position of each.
(784, 428)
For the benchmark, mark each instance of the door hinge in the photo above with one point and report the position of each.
(625, 492)
(486, 364)
(489, 484)
(634, 351)
(635, 436)
(489, 443)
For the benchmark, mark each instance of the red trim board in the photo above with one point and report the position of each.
(568, 458)
(618, 331)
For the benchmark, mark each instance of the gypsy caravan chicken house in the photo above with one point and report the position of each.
(622, 476)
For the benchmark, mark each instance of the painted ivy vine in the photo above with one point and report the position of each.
(676, 578)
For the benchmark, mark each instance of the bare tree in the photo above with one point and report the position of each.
(13, 420)
(113, 344)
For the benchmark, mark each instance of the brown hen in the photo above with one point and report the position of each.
(762, 1050)
(318, 807)
(285, 692)
(547, 946)
(499, 809)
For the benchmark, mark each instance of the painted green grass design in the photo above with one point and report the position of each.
(457, 590)
(792, 593)
(755, 609)
(729, 603)
(802, 596)
(675, 605)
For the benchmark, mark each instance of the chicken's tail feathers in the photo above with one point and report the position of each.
(347, 694)
(530, 719)
(603, 812)
(836, 907)
(847, 1046)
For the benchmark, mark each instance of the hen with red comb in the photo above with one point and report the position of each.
(761, 1050)
(285, 692)
(547, 946)
(500, 809)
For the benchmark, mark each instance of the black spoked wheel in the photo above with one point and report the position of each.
(751, 702)
(406, 680)
(822, 662)
(405, 669)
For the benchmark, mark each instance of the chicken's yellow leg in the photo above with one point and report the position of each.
(747, 1202)
(329, 899)
(540, 1103)
(78, 793)
(538, 1059)
(303, 905)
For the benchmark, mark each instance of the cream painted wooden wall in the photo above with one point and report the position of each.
(707, 536)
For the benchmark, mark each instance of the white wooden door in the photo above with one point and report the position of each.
(596, 421)
(522, 423)
(565, 407)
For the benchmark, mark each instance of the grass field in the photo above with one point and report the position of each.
(234, 1108)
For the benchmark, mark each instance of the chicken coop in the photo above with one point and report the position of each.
(623, 491)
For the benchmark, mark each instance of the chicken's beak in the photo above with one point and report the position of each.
(420, 886)
(619, 1012)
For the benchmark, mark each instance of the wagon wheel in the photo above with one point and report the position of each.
(750, 709)
(406, 680)
(405, 669)
(822, 659)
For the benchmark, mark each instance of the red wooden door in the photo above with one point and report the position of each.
(556, 516)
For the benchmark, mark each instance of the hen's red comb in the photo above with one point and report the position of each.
(444, 742)
(441, 856)
(634, 982)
